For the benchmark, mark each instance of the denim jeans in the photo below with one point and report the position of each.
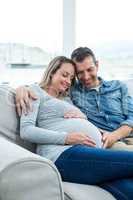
(109, 169)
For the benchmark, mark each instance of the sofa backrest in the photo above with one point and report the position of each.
(129, 84)
(9, 120)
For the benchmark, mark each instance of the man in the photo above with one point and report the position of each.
(105, 103)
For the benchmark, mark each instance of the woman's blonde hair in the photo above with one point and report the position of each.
(52, 68)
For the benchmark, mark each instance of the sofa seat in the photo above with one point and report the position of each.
(74, 191)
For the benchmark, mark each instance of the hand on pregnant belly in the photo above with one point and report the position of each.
(75, 114)
(80, 138)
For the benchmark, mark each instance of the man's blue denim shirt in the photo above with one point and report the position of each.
(108, 108)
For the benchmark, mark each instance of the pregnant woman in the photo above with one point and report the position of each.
(73, 144)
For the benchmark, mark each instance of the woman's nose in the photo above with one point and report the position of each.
(69, 81)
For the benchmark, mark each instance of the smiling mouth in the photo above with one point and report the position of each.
(65, 86)
(88, 82)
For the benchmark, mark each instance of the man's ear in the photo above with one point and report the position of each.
(97, 64)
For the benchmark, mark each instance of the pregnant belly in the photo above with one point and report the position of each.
(77, 125)
(74, 125)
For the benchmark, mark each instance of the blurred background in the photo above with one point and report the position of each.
(32, 32)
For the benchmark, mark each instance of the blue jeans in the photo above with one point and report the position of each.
(109, 169)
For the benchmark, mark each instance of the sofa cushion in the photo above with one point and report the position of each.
(75, 191)
(9, 120)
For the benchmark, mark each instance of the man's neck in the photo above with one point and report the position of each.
(96, 84)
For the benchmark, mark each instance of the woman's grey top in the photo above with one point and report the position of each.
(47, 127)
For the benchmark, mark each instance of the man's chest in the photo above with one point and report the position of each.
(96, 101)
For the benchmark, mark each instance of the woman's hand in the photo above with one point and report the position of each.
(75, 114)
(23, 97)
(80, 138)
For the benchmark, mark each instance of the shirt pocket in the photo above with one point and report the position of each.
(113, 102)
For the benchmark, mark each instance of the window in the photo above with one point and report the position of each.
(106, 27)
(31, 34)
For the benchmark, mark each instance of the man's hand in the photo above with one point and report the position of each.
(23, 98)
(75, 114)
(79, 138)
(108, 139)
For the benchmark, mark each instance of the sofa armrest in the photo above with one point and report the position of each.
(25, 175)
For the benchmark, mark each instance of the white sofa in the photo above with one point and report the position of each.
(27, 176)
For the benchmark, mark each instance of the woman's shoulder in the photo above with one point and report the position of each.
(38, 90)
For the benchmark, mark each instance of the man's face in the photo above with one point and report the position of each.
(87, 72)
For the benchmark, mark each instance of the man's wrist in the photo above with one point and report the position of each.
(116, 136)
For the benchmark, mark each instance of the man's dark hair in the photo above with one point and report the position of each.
(81, 53)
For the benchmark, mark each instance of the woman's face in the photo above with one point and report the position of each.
(62, 79)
